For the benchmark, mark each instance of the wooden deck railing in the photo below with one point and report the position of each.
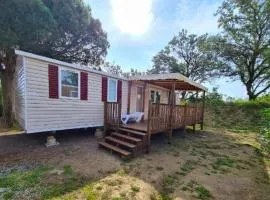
(160, 117)
(112, 115)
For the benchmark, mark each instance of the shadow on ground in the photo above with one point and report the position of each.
(201, 165)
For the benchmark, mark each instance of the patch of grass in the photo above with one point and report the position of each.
(121, 172)
(68, 171)
(114, 182)
(89, 192)
(116, 198)
(20, 180)
(189, 186)
(222, 164)
(58, 189)
(188, 167)
(99, 187)
(159, 168)
(202, 192)
(198, 190)
(169, 183)
(135, 188)
(8, 195)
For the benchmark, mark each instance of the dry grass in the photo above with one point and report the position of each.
(205, 165)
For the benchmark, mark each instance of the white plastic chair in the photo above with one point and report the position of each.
(137, 116)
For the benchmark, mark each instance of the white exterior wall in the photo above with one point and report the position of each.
(164, 93)
(19, 92)
(46, 114)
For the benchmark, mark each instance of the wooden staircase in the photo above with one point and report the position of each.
(126, 142)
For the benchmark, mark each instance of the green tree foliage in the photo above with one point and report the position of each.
(112, 68)
(214, 98)
(78, 36)
(185, 54)
(63, 29)
(1, 100)
(243, 48)
(265, 131)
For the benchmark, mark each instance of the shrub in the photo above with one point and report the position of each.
(265, 131)
(236, 114)
(260, 102)
(1, 100)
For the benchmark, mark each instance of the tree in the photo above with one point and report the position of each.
(185, 54)
(63, 29)
(112, 68)
(135, 72)
(243, 48)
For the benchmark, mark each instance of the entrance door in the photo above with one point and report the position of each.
(139, 99)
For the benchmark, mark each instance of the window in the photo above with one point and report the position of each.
(112, 90)
(152, 96)
(155, 96)
(69, 86)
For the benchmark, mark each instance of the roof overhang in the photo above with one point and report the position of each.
(66, 64)
(167, 80)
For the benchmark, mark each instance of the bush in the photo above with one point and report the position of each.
(265, 132)
(1, 100)
(236, 114)
(260, 102)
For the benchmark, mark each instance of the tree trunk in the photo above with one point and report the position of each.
(7, 76)
(250, 93)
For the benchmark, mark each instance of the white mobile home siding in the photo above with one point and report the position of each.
(19, 92)
(45, 114)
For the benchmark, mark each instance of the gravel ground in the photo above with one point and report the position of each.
(77, 148)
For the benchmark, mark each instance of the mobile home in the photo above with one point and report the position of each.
(52, 95)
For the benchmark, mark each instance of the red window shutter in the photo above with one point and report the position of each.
(53, 81)
(104, 88)
(84, 86)
(119, 91)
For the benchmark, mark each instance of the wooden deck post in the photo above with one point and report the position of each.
(185, 116)
(149, 126)
(129, 96)
(105, 118)
(143, 97)
(119, 115)
(171, 112)
(203, 107)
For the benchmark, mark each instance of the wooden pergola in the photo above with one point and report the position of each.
(174, 82)
(161, 117)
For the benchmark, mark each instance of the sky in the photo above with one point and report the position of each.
(138, 29)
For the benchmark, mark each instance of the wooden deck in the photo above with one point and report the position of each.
(161, 118)
(141, 126)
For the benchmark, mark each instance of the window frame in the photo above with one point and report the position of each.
(60, 82)
(154, 96)
(108, 90)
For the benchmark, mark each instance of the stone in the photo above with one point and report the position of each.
(51, 141)
(99, 133)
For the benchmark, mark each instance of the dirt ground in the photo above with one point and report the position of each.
(204, 165)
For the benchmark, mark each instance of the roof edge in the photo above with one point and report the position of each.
(172, 76)
(66, 64)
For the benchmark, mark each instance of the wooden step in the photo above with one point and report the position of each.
(115, 148)
(113, 139)
(133, 139)
(132, 131)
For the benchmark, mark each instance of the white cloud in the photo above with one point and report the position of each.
(132, 16)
